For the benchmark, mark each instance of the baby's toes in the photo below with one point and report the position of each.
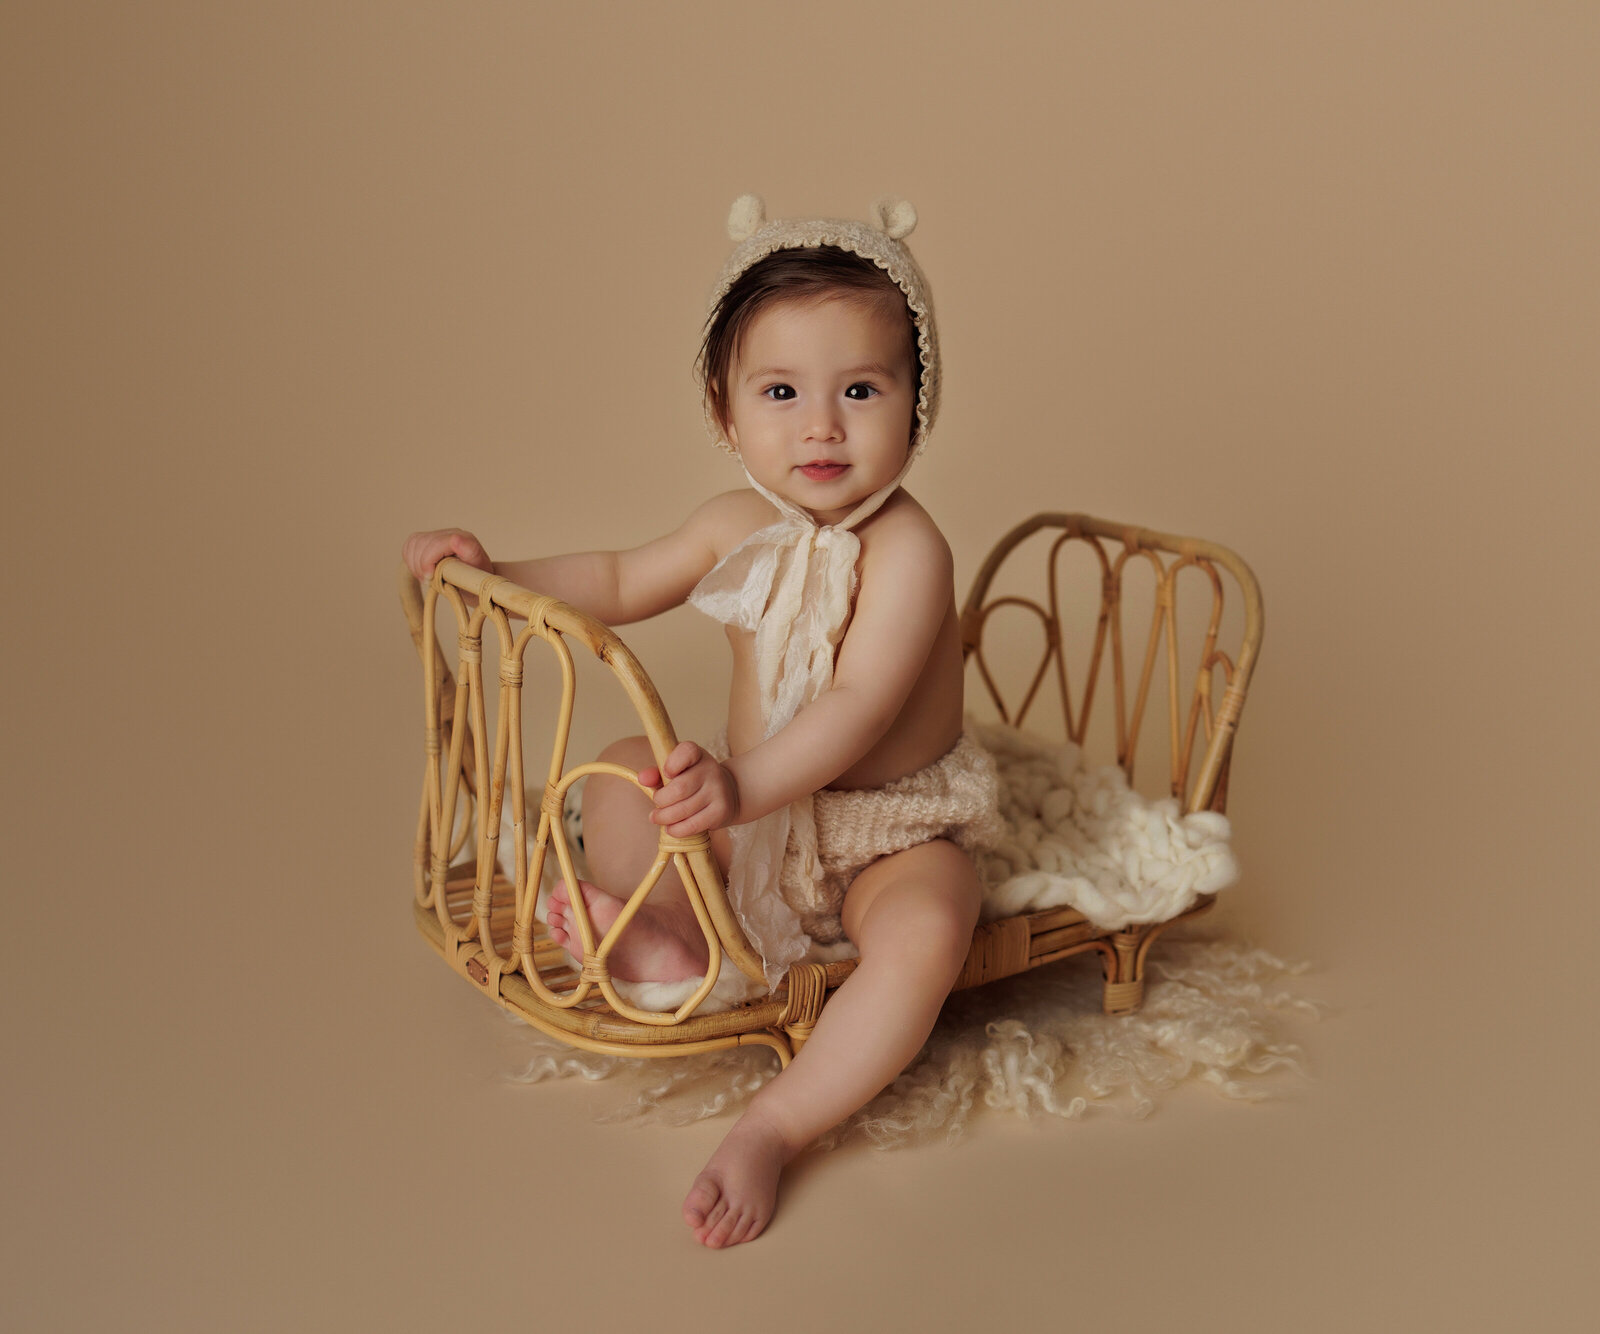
(700, 1201)
(749, 1229)
(714, 1217)
(722, 1233)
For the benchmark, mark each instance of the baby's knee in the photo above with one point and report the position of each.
(940, 932)
(633, 752)
(612, 804)
(927, 915)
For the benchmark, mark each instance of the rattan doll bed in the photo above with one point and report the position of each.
(481, 919)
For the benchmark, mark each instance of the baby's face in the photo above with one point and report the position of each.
(821, 397)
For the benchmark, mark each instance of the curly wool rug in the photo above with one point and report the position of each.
(1216, 1013)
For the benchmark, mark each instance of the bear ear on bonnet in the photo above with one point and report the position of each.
(896, 218)
(746, 217)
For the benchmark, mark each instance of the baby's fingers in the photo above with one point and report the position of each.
(676, 813)
(422, 551)
(466, 547)
(685, 755)
(680, 788)
(702, 821)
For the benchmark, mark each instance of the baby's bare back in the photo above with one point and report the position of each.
(928, 723)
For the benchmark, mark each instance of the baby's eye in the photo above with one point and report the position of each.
(781, 393)
(859, 391)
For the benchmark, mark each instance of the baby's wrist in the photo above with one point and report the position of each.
(735, 805)
(736, 795)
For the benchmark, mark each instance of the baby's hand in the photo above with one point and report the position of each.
(422, 551)
(697, 794)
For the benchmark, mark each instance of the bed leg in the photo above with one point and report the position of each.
(1124, 974)
(808, 989)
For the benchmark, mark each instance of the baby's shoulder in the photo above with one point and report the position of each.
(727, 519)
(902, 529)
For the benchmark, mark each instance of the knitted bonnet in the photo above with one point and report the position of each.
(882, 244)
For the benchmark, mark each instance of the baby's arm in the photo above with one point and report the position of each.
(615, 587)
(904, 597)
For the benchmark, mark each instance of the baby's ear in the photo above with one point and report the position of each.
(896, 217)
(746, 217)
(718, 413)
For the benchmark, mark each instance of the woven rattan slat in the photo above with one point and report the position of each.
(1059, 938)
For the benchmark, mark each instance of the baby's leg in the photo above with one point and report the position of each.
(912, 915)
(663, 942)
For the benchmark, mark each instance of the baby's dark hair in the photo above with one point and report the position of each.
(799, 273)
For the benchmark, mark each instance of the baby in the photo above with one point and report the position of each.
(844, 799)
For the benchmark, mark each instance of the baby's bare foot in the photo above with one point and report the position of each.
(654, 947)
(733, 1197)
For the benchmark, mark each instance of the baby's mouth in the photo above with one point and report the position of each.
(822, 471)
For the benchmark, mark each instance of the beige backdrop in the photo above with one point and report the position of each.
(286, 281)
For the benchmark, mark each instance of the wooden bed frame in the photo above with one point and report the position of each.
(481, 921)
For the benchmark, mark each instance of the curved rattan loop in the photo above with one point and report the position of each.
(670, 849)
(1052, 645)
(466, 746)
(550, 829)
(713, 949)
(506, 765)
(1077, 726)
(594, 971)
(1129, 722)
(465, 756)
(525, 890)
(1200, 694)
(433, 697)
(527, 898)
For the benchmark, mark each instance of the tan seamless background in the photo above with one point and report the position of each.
(284, 282)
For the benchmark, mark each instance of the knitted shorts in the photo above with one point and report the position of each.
(954, 797)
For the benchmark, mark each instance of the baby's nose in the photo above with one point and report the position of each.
(822, 423)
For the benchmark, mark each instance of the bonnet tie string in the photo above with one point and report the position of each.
(793, 584)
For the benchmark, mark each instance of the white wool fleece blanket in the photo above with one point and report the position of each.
(1075, 837)
(1082, 838)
